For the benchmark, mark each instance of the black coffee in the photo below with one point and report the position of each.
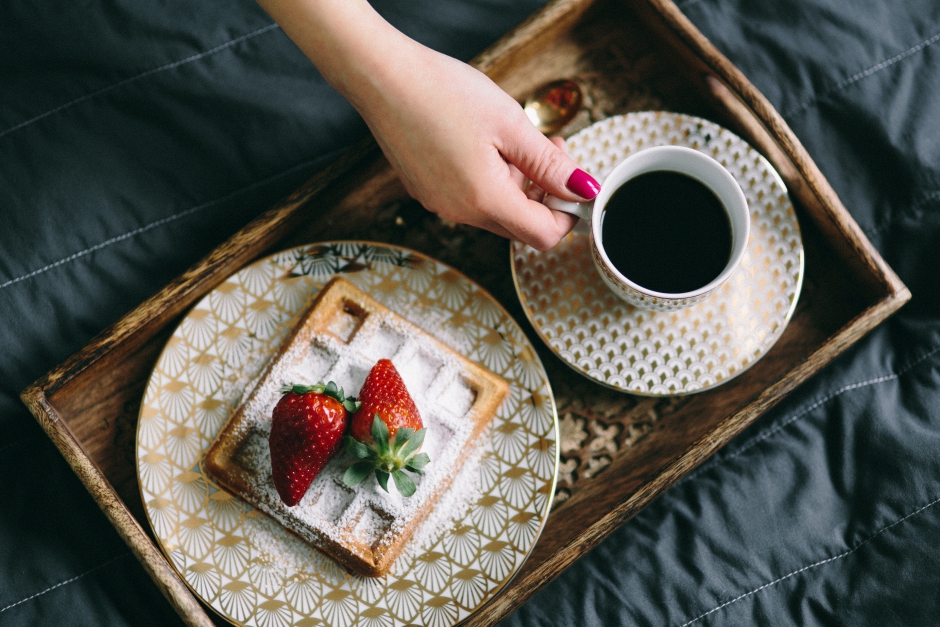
(667, 232)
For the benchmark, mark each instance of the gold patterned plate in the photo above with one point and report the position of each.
(679, 352)
(246, 566)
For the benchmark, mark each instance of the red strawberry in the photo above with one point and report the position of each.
(307, 428)
(384, 393)
(386, 431)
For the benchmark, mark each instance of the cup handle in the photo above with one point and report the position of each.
(582, 210)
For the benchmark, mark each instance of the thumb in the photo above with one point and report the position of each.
(547, 165)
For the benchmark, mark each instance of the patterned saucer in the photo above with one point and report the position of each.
(246, 566)
(678, 352)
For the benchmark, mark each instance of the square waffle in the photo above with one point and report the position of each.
(339, 338)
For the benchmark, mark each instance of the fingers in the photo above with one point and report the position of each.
(546, 164)
(531, 222)
(558, 141)
(532, 189)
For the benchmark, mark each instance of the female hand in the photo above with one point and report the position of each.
(462, 147)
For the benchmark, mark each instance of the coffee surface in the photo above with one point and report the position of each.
(667, 232)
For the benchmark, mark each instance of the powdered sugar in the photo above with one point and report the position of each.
(368, 516)
(452, 507)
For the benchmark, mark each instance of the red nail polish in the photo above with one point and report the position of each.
(583, 184)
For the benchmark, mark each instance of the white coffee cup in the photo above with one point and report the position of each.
(689, 162)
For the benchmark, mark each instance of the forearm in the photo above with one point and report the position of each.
(356, 50)
(460, 144)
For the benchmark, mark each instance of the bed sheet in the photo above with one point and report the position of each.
(136, 136)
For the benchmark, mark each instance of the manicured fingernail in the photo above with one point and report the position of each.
(583, 184)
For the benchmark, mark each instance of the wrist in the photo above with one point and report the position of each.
(355, 49)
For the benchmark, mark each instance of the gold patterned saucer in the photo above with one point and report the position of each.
(678, 352)
(246, 566)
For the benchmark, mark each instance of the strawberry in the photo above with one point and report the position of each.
(386, 432)
(307, 428)
(384, 393)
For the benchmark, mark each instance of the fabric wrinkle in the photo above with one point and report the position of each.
(158, 223)
(62, 584)
(859, 76)
(150, 72)
(822, 562)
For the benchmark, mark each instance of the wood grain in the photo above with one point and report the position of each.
(628, 55)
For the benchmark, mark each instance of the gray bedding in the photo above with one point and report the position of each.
(136, 136)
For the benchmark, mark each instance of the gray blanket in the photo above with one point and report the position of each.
(136, 136)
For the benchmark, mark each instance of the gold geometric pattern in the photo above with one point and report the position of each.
(664, 353)
(249, 568)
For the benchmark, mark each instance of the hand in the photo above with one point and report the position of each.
(462, 146)
(465, 149)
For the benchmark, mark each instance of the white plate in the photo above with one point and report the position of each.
(251, 570)
(677, 352)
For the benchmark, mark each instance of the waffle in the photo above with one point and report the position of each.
(340, 338)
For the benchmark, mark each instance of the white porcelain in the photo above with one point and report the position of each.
(684, 160)
(249, 568)
(666, 353)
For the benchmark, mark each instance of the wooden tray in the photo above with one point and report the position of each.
(630, 55)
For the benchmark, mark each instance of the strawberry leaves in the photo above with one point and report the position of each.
(330, 389)
(387, 458)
